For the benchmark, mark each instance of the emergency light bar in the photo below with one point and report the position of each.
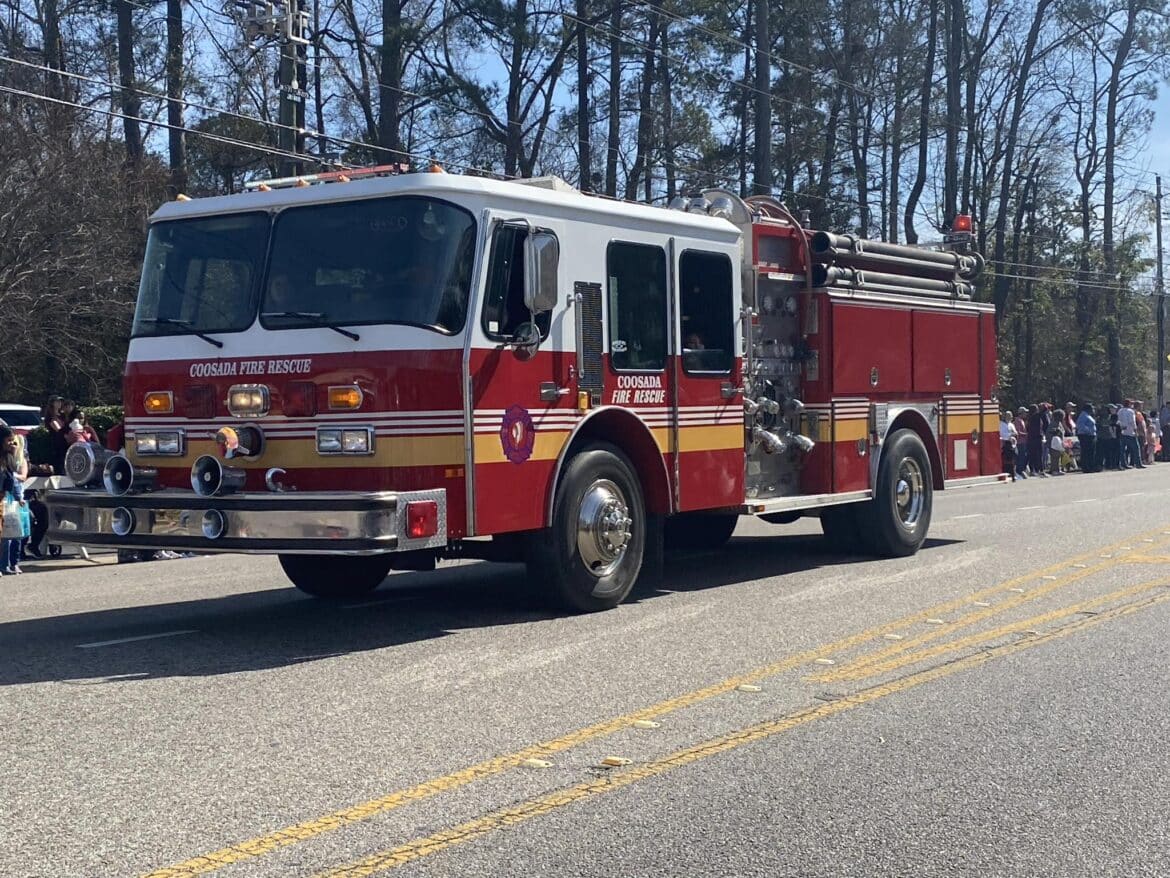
(327, 177)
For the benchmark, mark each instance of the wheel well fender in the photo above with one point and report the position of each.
(626, 431)
(911, 419)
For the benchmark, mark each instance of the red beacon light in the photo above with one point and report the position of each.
(963, 223)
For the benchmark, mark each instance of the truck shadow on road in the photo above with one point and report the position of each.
(278, 627)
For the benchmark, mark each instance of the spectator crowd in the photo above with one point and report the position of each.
(25, 517)
(1044, 440)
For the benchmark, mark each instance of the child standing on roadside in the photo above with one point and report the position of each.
(13, 470)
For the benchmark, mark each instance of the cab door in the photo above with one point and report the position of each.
(523, 395)
(706, 366)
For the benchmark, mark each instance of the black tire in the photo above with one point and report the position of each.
(336, 577)
(699, 530)
(591, 556)
(894, 523)
(842, 529)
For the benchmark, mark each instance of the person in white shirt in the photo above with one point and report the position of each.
(1131, 454)
(1008, 439)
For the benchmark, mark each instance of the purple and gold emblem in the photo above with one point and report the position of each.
(517, 434)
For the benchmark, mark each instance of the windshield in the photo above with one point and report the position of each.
(406, 259)
(200, 275)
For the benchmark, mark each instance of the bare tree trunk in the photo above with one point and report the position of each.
(667, 114)
(956, 31)
(584, 131)
(390, 81)
(895, 137)
(1002, 282)
(744, 103)
(615, 99)
(176, 136)
(1088, 293)
(824, 183)
(1109, 254)
(513, 145)
(645, 119)
(131, 105)
(762, 156)
(318, 98)
(53, 54)
(923, 125)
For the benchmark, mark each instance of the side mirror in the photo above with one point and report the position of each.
(541, 256)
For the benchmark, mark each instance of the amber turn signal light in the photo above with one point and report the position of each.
(159, 402)
(346, 397)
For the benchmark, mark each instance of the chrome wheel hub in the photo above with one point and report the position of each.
(909, 492)
(603, 527)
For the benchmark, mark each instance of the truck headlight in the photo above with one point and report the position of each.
(355, 441)
(159, 442)
(248, 400)
(345, 440)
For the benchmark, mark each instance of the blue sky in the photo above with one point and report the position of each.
(1159, 151)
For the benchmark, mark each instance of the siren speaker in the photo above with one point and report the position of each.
(210, 478)
(121, 477)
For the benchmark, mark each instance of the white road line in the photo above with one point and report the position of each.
(972, 515)
(1134, 494)
(1090, 500)
(133, 639)
(1024, 508)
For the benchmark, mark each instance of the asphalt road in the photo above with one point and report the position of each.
(995, 705)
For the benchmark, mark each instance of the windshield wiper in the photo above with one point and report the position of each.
(313, 315)
(185, 324)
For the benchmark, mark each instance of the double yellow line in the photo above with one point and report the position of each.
(901, 654)
(392, 858)
(884, 661)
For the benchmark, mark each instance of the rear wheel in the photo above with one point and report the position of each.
(895, 522)
(336, 577)
(591, 556)
(699, 530)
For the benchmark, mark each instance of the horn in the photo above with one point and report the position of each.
(84, 462)
(210, 478)
(121, 477)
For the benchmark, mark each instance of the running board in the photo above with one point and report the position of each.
(975, 481)
(803, 501)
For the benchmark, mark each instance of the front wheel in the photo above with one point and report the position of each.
(591, 555)
(894, 523)
(336, 577)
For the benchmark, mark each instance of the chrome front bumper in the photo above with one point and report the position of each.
(356, 523)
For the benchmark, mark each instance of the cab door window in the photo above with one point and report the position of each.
(706, 311)
(504, 309)
(637, 307)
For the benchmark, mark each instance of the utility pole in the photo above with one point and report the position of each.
(288, 21)
(1160, 292)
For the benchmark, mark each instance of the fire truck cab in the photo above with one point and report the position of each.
(370, 371)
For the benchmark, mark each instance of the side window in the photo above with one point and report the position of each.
(637, 306)
(504, 309)
(706, 308)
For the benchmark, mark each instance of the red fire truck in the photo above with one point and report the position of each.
(360, 372)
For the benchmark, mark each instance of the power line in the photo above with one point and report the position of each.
(231, 141)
